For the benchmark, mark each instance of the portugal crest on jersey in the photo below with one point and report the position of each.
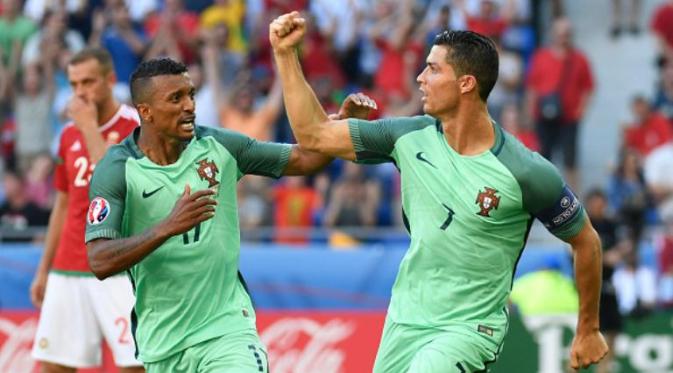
(487, 201)
(99, 209)
(208, 171)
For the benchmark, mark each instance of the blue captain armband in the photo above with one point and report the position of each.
(566, 208)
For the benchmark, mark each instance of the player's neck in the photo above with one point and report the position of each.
(160, 150)
(109, 109)
(469, 130)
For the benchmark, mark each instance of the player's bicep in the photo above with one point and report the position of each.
(335, 140)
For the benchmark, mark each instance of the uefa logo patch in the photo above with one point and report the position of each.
(99, 209)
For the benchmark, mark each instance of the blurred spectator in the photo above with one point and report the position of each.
(649, 130)
(318, 59)
(54, 33)
(627, 193)
(15, 29)
(254, 203)
(438, 21)
(618, 24)
(33, 110)
(613, 253)
(354, 199)
(114, 30)
(139, 9)
(38, 181)
(664, 245)
(206, 79)
(7, 135)
(239, 112)
(325, 91)
(401, 46)
(546, 291)
(2, 176)
(296, 204)
(560, 85)
(490, 20)
(37, 9)
(659, 178)
(231, 14)
(508, 86)
(662, 27)
(228, 62)
(18, 212)
(636, 286)
(174, 32)
(278, 7)
(511, 121)
(339, 23)
(663, 101)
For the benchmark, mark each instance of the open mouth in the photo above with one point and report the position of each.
(187, 124)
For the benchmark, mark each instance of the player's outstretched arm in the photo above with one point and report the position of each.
(306, 162)
(588, 346)
(108, 257)
(312, 128)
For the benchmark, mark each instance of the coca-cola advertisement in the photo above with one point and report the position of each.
(334, 342)
(297, 342)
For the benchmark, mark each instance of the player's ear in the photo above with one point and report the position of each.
(145, 112)
(467, 83)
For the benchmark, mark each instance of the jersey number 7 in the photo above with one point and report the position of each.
(449, 218)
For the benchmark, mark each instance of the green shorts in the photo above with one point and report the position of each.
(237, 353)
(455, 349)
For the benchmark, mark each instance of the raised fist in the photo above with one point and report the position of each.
(286, 32)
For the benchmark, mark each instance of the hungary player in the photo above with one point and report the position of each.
(78, 311)
(181, 248)
(470, 192)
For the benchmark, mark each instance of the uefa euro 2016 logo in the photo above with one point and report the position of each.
(99, 209)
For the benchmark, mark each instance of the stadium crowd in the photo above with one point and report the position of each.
(371, 46)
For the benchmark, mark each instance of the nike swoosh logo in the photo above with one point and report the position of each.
(421, 158)
(148, 195)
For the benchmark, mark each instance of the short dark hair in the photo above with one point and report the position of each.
(471, 53)
(140, 79)
(94, 53)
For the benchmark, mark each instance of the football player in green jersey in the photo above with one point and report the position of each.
(163, 208)
(470, 192)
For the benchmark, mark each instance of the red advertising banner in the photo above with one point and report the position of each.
(297, 342)
(329, 342)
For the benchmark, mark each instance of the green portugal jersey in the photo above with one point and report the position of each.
(188, 290)
(468, 218)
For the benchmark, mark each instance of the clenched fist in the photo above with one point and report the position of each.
(286, 32)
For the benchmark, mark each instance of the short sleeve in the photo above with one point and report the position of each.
(544, 193)
(107, 197)
(252, 156)
(374, 141)
(550, 200)
(263, 158)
